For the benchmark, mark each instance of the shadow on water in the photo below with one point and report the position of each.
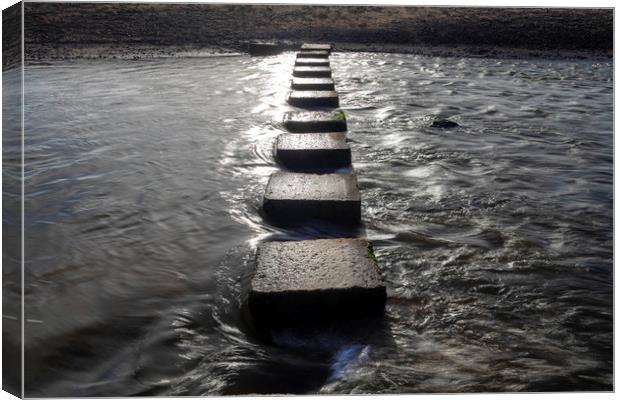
(340, 345)
(72, 353)
(312, 354)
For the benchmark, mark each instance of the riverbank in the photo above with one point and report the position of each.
(60, 31)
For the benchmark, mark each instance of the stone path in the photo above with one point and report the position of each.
(324, 279)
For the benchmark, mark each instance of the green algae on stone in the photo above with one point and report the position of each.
(373, 258)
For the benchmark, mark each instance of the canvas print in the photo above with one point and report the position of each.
(207, 199)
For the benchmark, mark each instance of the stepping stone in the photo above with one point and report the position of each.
(296, 197)
(313, 84)
(313, 54)
(313, 98)
(312, 62)
(312, 72)
(312, 151)
(316, 46)
(301, 282)
(264, 49)
(315, 121)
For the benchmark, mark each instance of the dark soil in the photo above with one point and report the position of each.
(67, 30)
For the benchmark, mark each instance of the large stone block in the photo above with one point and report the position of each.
(313, 54)
(312, 84)
(312, 62)
(312, 72)
(315, 121)
(313, 98)
(297, 197)
(313, 151)
(316, 46)
(315, 280)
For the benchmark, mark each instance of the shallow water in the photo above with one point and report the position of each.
(143, 191)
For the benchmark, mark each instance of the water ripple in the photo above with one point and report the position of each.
(144, 182)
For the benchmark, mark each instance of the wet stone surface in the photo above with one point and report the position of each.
(316, 46)
(297, 281)
(313, 98)
(312, 62)
(313, 151)
(315, 121)
(312, 72)
(313, 54)
(312, 84)
(298, 197)
(312, 141)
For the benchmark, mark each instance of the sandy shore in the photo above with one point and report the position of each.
(54, 30)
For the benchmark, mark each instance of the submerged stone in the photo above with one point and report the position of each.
(298, 282)
(316, 46)
(312, 62)
(315, 121)
(443, 123)
(297, 197)
(313, 98)
(312, 72)
(313, 54)
(313, 151)
(312, 84)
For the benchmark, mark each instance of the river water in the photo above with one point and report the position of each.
(143, 193)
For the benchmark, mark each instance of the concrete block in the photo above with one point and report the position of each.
(312, 62)
(297, 197)
(313, 98)
(315, 280)
(264, 49)
(313, 54)
(312, 84)
(312, 72)
(315, 121)
(313, 151)
(316, 46)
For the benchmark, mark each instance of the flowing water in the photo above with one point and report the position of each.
(143, 194)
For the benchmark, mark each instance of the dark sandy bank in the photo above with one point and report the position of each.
(56, 30)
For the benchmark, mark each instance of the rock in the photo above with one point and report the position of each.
(313, 54)
(312, 72)
(312, 84)
(316, 47)
(313, 151)
(443, 123)
(312, 62)
(292, 198)
(264, 49)
(314, 280)
(313, 98)
(315, 121)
